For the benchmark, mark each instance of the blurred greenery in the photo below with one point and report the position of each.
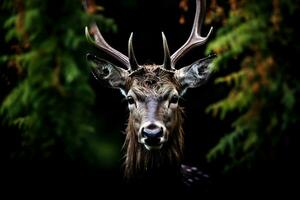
(257, 45)
(50, 102)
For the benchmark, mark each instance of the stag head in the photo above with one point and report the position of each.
(153, 91)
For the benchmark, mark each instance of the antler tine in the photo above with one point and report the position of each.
(167, 58)
(132, 60)
(103, 45)
(195, 38)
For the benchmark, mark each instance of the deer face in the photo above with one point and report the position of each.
(153, 104)
(152, 91)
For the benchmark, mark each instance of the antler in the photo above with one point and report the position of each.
(195, 38)
(99, 42)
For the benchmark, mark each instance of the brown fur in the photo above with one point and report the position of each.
(138, 160)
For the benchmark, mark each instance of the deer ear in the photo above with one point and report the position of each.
(194, 75)
(107, 72)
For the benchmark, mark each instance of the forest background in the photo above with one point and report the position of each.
(58, 123)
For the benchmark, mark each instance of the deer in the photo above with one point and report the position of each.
(154, 140)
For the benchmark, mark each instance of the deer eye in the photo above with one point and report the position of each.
(130, 100)
(174, 99)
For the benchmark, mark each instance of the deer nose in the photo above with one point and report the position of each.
(152, 131)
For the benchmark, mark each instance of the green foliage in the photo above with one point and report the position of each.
(52, 100)
(252, 51)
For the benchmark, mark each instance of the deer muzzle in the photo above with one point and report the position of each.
(152, 135)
